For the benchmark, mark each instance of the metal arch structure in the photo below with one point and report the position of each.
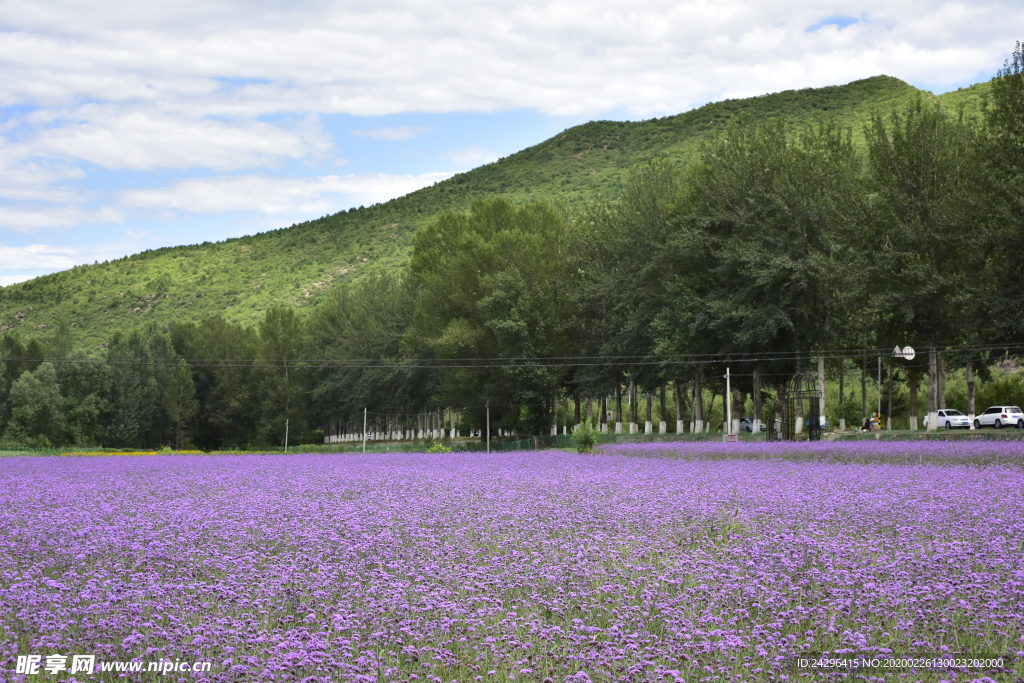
(796, 391)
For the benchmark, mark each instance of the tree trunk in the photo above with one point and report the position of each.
(941, 404)
(663, 409)
(912, 380)
(632, 406)
(798, 426)
(888, 413)
(970, 392)
(780, 400)
(864, 385)
(739, 409)
(756, 427)
(933, 384)
(649, 422)
(842, 395)
(554, 416)
(604, 413)
(711, 406)
(698, 401)
(679, 407)
(618, 407)
(821, 387)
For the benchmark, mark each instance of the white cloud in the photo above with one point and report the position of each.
(276, 196)
(147, 139)
(37, 257)
(392, 134)
(560, 57)
(470, 157)
(34, 259)
(33, 219)
(15, 279)
(218, 87)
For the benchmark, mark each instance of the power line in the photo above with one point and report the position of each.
(509, 362)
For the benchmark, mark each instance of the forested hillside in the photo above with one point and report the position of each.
(297, 266)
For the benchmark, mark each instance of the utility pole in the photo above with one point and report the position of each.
(488, 426)
(286, 435)
(364, 430)
(879, 411)
(728, 404)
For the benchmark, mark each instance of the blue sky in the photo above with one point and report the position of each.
(128, 127)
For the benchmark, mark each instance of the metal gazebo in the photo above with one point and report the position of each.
(801, 387)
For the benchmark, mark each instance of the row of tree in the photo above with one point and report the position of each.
(772, 250)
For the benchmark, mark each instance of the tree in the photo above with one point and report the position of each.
(132, 392)
(358, 331)
(180, 402)
(764, 249)
(37, 417)
(220, 355)
(619, 265)
(929, 224)
(280, 378)
(1004, 174)
(489, 284)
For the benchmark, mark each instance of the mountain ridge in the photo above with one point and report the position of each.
(298, 265)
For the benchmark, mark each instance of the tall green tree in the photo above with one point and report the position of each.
(766, 247)
(220, 355)
(132, 393)
(490, 284)
(619, 264)
(1004, 177)
(281, 378)
(37, 416)
(930, 224)
(180, 403)
(358, 333)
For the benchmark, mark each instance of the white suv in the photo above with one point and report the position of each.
(999, 417)
(950, 419)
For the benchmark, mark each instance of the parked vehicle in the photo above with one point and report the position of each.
(950, 419)
(999, 417)
(747, 425)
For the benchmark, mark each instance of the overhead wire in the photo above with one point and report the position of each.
(510, 362)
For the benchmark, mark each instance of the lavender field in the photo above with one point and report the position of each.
(523, 566)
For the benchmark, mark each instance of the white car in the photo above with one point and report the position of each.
(950, 419)
(999, 417)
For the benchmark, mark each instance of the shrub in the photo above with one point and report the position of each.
(584, 436)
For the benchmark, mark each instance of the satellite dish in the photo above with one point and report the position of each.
(908, 352)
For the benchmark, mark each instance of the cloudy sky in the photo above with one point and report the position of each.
(132, 125)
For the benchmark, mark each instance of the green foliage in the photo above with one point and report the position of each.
(37, 417)
(488, 286)
(929, 186)
(584, 435)
(180, 403)
(727, 231)
(365, 321)
(132, 391)
(298, 266)
(438, 448)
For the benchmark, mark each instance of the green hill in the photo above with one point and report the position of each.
(298, 265)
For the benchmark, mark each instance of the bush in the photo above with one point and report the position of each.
(584, 436)
(438, 448)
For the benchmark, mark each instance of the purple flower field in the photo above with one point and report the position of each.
(516, 566)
